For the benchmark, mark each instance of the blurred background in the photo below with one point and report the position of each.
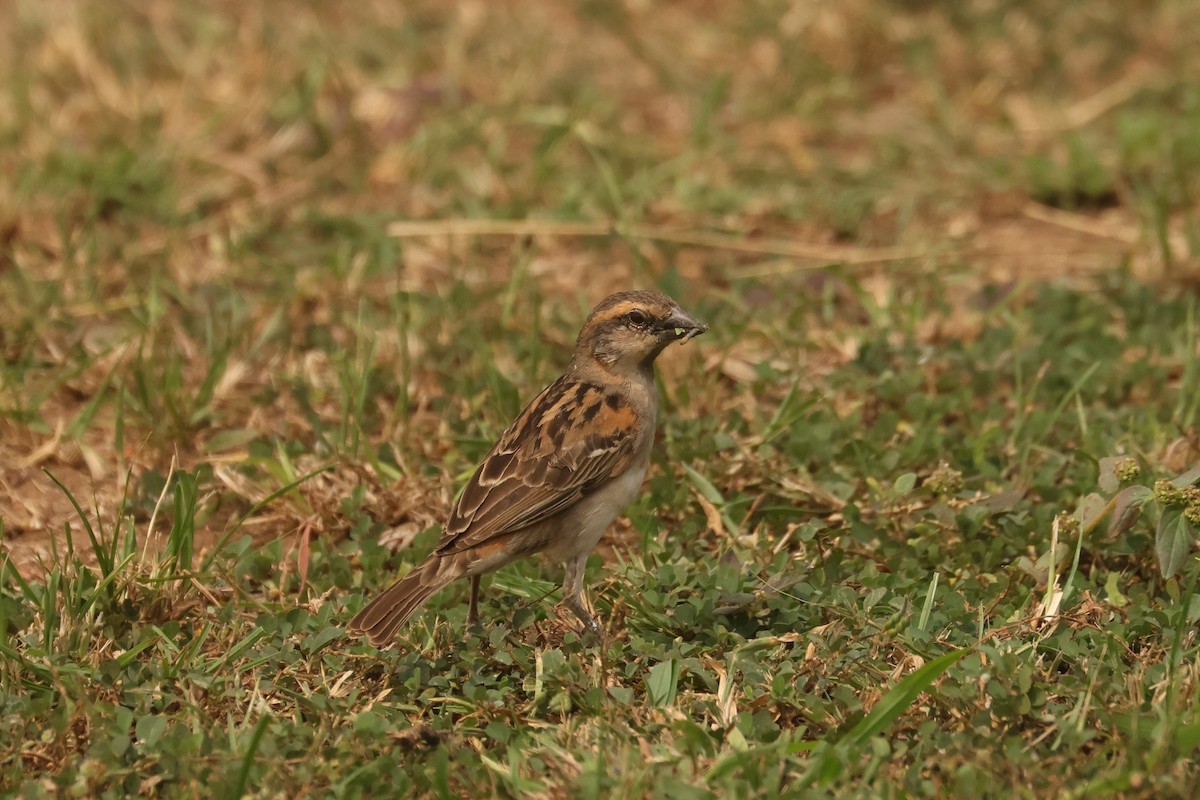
(1039, 136)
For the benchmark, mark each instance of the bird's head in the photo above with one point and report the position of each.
(627, 330)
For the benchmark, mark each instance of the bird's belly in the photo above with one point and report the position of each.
(584, 523)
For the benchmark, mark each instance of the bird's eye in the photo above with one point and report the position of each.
(638, 318)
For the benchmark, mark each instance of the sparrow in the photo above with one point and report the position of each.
(562, 472)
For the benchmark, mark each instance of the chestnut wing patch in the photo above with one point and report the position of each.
(571, 440)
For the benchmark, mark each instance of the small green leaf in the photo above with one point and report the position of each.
(119, 744)
(1114, 592)
(1189, 478)
(1127, 508)
(1108, 480)
(370, 722)
(905, 483)
(1187, 737)
(622, 694)
(1172, 541)
(150, 729)
(1089, 507)
(662, 682)
(712, 495)
(318, 640)
(704, 486)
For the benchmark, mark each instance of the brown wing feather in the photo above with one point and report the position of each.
(572, 439)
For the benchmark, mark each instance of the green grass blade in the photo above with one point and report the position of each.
(902, 695)
(243, 778)
(829, 756)
(103, 556)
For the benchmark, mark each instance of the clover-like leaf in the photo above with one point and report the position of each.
(1172, 541)
(1108, 480)
(1189, 478)
(1127, 508)
(1090, 506)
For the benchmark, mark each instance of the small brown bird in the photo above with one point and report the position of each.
(562, 472)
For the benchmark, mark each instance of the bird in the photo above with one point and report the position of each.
(562, 471)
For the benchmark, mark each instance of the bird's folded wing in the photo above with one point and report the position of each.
(570, 441)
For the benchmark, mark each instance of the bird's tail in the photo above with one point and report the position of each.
(382, 617)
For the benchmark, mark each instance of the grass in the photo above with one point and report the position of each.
(273, 278)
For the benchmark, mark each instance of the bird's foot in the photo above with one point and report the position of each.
(580, 611)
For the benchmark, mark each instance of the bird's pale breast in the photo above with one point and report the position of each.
(584, 523)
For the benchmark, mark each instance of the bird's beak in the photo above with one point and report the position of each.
(681, 326)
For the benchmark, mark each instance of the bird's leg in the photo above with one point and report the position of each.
(573, 593)
(473, 607)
